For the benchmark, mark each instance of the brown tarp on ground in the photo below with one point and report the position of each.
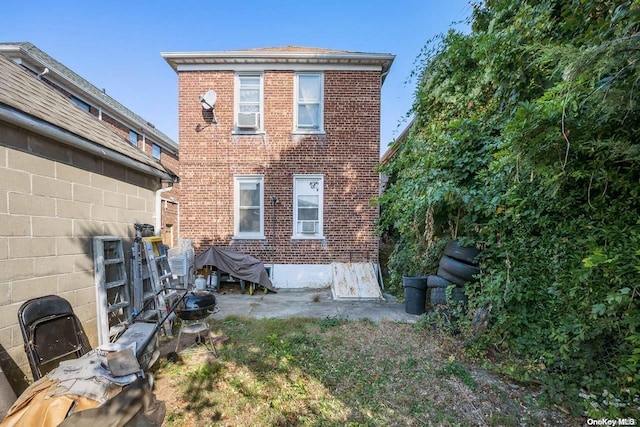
(242, 266)
(42, 405)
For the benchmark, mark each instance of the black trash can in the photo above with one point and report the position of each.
(415, 294)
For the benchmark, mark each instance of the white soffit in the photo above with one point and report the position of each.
(277, 67)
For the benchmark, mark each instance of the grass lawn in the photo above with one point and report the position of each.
(333, 372)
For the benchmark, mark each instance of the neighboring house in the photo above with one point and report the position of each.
(391, 152)
(65, 176)
(278, 154)
(138, 131)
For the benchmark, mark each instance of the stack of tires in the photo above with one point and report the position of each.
(457, 267)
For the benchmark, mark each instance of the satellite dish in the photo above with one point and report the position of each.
(208, 100)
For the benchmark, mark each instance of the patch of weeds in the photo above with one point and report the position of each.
(454, 369)
(301, 339)
(176, 418)
(499, 420)
(232, 321)
(205, 372)
(330, 322)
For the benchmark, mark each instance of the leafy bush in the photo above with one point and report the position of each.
(526, 142)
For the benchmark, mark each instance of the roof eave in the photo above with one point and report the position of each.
(383, 60)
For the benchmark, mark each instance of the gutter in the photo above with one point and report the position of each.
(50, 131)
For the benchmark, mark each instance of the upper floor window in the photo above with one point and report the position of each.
(308, 112)
(307, 210)
(80, 103)
(133, 138)
(249, 207)
(249, 90)
(155, 151)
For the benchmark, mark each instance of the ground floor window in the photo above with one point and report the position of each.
(307, 206)
(249, 206)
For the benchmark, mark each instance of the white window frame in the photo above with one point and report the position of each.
(156, 151)
(319, 234)
(239, 179)
(296, 101)
(238, 78)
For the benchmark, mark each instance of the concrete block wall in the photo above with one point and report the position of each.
(346, 155)
(169, 160)
(49, 211)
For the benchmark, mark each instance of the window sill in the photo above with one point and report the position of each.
(308, 237)
(248, 132)
(249, 237)
(308, 132)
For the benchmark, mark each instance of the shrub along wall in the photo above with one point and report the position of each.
(526, 141)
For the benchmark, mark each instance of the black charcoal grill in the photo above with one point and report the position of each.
(196, 305)
(191, 310)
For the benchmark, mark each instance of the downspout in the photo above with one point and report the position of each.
(158, 223)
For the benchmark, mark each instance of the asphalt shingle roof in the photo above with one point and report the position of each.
(87, 87)
(22, 91)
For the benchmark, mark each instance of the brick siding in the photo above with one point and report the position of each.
(346, 155)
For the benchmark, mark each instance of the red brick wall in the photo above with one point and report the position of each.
(346, 155)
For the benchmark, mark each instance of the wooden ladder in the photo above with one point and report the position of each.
(113, 299)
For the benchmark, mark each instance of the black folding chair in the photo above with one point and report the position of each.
(51, 332)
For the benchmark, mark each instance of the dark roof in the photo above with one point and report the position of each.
(24, 92)
(293, 49)
(395, 145)
(42, 58)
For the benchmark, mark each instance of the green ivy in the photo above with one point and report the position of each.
(526, 142)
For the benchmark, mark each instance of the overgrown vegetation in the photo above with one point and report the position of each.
(333, 372)
(526, 142)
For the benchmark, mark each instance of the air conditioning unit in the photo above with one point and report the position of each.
(248, 120)
(308, 227)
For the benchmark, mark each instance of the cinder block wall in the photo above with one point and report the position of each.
(346, 155)
(170, 210)
(53, 200)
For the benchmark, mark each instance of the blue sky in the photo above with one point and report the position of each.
(116, 44)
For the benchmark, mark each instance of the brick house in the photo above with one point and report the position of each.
(65, 176)
(139, 132)
(278, 154)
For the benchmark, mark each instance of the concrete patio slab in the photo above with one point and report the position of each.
(309, 303)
